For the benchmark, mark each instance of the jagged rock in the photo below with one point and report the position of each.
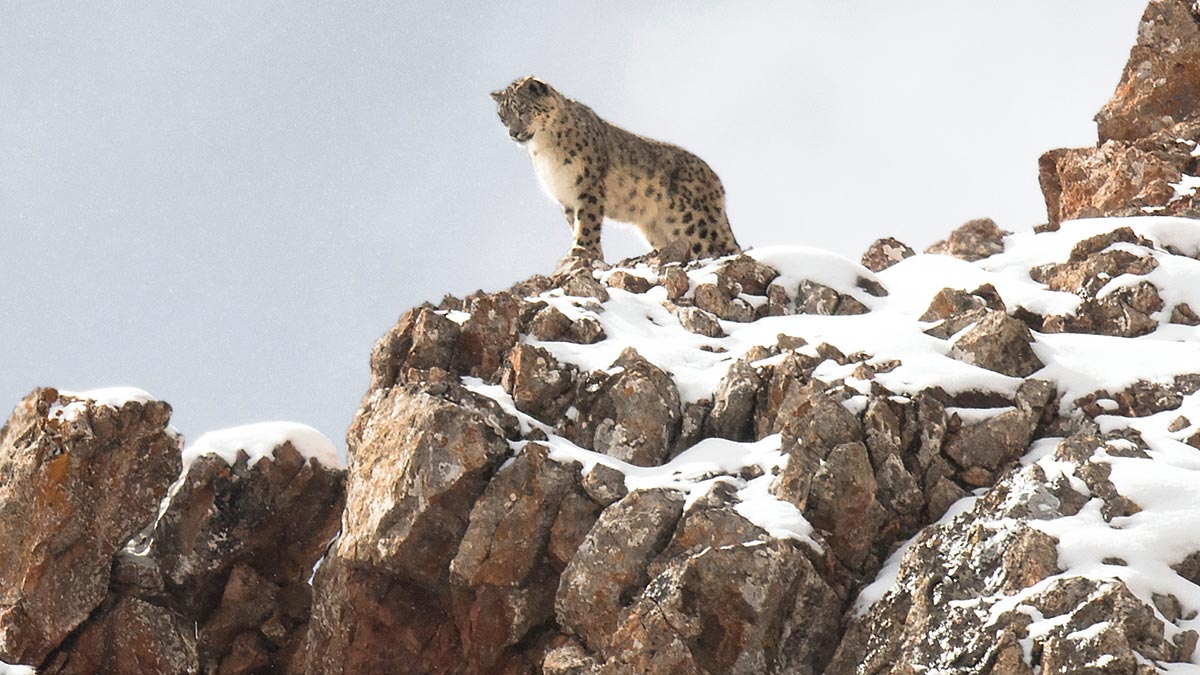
(1140, 399)
(700, 322)
(841, 504)
(1161, 82)
(1147, 130)
(734, 401)
(423, 460)
(551, 325)
(1184, 314)
(675, 280)
(813, 298)
(1118, 178)
(539, 384)
(722, 301)
(629, 282)
(1093, 264)
(610, 566)
(132, 637)
(999, 343)
(742, 608)
(584, 285)
(633, 412)
(604, 484)
(569, 659)
(78, 480)
(974, 240)
(276, 516)
(897, 490)
(368, 620)
(236, 544)
(883, 253)
(753, 276)
(489, 333)
(692, 425)
(1002, 439)
(423, 339)
(1126, 312)
(503, 585)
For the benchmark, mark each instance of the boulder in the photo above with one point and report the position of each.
(974, 240)
(999, 343)
(883, 253)
(80, 477)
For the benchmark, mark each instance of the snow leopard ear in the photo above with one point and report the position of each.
(498, 95)
(536, 87)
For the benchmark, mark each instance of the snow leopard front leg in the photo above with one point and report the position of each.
(585, 217)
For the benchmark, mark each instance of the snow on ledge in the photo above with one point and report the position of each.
(112, 397)
(7, 669)
(109, 397)
(260, 440)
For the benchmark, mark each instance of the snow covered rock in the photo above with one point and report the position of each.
(237, 539)
(79, 475)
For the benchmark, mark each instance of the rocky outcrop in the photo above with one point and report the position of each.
(984, 591)
(779, 462)
(118, 566)
(1145, 161)
(79, 479)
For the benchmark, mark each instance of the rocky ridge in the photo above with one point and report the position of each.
(974, 460)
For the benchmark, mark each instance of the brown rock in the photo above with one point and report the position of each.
(504, 587)
(841, 504)
(884, 253)
(999, 343)
(610, 566)
(539, 384)
(743, 608)
(423, 460)
(604, 484)
(723, 302)
(132, 637)
(1161, 82)
(1184, 314)
(422, 339)
(275, 516)
(974, 240)
(753, 276)
(629, 282)
(79, 479)
(814, 298)
(367, 620)
(510, 523)
(700, 322)
(633, 412)
(1115, 179)
(734, 401)
(551, 325)
(489, 333)
(675, 280)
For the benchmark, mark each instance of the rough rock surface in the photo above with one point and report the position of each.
(974, 240)
(77, 480)
(773, 463)
(1144, 162)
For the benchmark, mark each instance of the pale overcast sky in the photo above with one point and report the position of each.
(226, 204)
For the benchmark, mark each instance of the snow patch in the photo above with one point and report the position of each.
(260, 440)
(109, 397)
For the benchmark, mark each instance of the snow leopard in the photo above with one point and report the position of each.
(595, 169)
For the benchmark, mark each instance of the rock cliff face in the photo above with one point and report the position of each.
(980, 459)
